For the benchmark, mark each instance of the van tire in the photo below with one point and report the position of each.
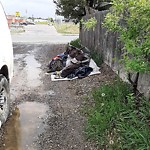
(4, 99)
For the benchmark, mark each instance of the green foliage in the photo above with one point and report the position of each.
(131, 19)
(76, 43)
(89, 24)
(70, 9)
(50, 19)
(116, 121)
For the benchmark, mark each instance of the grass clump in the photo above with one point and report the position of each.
(98, 58)
(76, 43)
(118, 120)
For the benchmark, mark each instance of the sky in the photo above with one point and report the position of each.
(29, 8)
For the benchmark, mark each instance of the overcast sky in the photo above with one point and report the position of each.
(37, 8)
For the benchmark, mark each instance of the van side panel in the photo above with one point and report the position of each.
(6, 48)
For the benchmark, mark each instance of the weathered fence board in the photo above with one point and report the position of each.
(107, 44)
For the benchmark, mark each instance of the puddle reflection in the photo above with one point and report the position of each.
(24, 126)
(12, 131)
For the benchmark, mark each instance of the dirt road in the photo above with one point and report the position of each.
(46, 115)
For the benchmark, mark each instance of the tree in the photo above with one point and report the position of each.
(70, 9)
(75, 9)
(131, 19)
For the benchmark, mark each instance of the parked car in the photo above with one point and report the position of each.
(6, 66)
(24, 23)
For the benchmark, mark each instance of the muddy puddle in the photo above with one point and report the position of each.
(33, 71)
(24, 126)
(28, 68)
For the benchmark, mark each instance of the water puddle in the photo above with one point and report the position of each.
(24, 126)
(33, 71)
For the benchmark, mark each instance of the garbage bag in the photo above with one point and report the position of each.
(81, 72)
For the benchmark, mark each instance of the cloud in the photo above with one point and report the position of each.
(36, 8)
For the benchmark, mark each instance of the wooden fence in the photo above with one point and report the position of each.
(107, 44)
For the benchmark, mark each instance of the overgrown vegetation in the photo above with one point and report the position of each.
(67, 28)
(98, 58)
(76, 9)
(116, 120)
(131, 19)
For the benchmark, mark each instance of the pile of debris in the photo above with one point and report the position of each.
(73, 63)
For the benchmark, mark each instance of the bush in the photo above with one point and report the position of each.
(131, 19)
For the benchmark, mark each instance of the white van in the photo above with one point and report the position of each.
(6, 66)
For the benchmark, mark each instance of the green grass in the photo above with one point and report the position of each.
(67, 28)
(116, 121)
